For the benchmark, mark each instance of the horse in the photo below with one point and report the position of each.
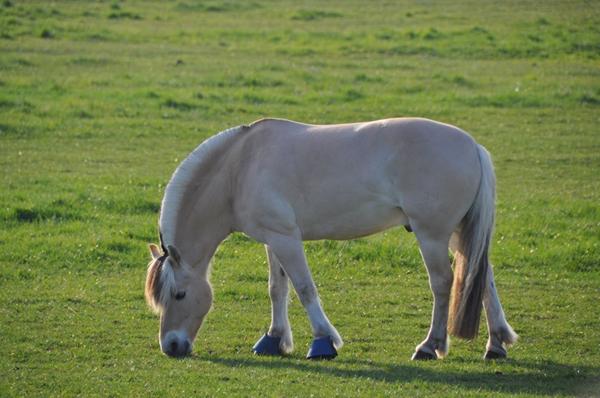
(282, 182)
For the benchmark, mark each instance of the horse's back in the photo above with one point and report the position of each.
(349, 180)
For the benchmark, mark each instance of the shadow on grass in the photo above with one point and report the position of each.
(510, 376)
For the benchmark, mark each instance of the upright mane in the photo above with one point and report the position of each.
(184, 175)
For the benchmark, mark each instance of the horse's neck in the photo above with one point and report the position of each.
(201, 236)
(204, 221)
(198, 206)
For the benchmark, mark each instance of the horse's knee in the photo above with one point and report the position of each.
(307, 293)
(278, 289)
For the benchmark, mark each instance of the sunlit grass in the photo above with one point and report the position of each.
(99, 102)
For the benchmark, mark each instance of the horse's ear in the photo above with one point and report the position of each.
(154, 251)
(174, 254)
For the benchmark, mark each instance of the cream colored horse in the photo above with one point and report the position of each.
(282, 182)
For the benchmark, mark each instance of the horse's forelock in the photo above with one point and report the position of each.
(152, 283)
(160, 283)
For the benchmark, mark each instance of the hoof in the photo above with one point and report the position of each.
(322, 348)
(490, 355)
(423, 356)
(267, 345)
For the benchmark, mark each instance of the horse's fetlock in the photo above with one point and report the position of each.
(276, 331)
(323, 331)
(439, 343)
(437, 346)
(504, 335)
(287, 342)
(441, 346)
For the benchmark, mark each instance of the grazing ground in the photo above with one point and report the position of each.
(99, 102)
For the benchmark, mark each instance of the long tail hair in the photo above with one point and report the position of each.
(471, 260)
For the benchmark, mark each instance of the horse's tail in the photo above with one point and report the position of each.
(471, 261)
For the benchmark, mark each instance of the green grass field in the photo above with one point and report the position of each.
(99, 102)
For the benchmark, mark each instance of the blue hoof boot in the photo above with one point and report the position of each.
(267, 345)
(322, 348)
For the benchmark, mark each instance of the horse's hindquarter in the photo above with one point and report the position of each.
(438, 173)
(345, 181)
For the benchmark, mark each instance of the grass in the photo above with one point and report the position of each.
(99, 102)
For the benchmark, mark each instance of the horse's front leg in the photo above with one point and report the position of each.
(290, 252)
(278, 291)
(435, 255)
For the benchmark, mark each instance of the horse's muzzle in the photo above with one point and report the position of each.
(176, 345)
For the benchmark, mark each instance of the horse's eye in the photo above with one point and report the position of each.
(179, 295)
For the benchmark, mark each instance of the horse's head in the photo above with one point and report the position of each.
(181, 295)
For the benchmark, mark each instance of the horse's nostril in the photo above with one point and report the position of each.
(186, 348)
(173, 347)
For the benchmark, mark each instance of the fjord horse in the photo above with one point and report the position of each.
(281, 182)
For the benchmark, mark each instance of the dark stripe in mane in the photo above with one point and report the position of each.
(162, 245)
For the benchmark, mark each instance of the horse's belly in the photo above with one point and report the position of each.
(360, 221)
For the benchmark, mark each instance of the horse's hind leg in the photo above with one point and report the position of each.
(278, 291)
(290, 253)
(434, 251)
(501, 334)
